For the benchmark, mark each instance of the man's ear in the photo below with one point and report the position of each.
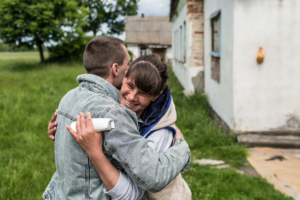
(115, 69)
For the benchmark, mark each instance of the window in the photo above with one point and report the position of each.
(184, 42)
(180, 43)
(175, 44)
(215, 20)
(216, 33)
(143, 51)
(181, 54)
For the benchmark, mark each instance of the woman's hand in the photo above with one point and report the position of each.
(178, 134)
(52, 127)
(86, 136)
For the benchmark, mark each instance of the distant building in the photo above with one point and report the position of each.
(221, 39)
(149, 34)
(187, 19)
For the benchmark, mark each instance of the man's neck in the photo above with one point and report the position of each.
(110, 79)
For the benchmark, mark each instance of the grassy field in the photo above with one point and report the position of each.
(21, 55)
(30, 93)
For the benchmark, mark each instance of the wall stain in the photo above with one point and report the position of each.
(293, 122)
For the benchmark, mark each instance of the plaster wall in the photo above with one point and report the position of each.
(196, 43)
(169, 54)
(181, 69)
(220, 95)
(135, 50)
(267, 95)
(189, 72)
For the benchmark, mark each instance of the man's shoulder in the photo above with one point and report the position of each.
(83, 100)
(88, 94)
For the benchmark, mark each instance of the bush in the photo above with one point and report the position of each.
(11, 47)
(69, 50)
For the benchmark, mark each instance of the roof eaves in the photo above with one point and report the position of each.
(173, 7)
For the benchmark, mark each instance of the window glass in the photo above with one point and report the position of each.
(181, 49)
(175, 45)
(216, 46)
(215, 34)
(184, 41)
(143, 51)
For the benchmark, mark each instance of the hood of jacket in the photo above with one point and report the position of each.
(159, 114)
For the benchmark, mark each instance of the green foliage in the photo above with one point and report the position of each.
(131, 56)
(12, 47)
(4, 47)
(111, 13)
(68, 50)
(32, 23)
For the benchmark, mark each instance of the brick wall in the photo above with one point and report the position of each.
(196, 25)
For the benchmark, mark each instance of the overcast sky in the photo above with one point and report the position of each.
(149, 8)
(152, 8)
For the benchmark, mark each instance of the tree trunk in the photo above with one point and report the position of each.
(95, 32)
(41, 53)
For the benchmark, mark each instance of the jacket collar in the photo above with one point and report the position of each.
(155, 111)
(102, 83)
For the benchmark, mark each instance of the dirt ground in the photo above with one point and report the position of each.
(280, 167)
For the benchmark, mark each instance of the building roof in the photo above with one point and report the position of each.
(148, 30)
(173, 8)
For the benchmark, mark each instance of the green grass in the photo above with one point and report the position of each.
(34, 55)
(30, 93)
(205, 139)
(227, 184)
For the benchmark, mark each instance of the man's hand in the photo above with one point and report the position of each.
(86, 136)
(178, 134)
(52, 127)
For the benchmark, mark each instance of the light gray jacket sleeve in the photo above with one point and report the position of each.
(160, 140)
(148, 169)
(125, 189)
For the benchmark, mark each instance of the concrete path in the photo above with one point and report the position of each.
(275, 141)
(281, 167)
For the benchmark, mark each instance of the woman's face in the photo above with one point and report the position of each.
(134, 99)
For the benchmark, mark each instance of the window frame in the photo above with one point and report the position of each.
(180, 40)
(214, 16)
(184, 43)
(175, 44)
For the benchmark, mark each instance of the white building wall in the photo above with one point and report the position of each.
(182, 70)
(266, 96)
(169, 54)
(135, 50)
(220, 95)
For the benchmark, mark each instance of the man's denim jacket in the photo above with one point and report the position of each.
(75, 176)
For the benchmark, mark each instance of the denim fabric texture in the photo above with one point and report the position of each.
(75, 176)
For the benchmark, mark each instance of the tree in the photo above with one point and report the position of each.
(110, 12)
(33, 22)
(4, 47)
